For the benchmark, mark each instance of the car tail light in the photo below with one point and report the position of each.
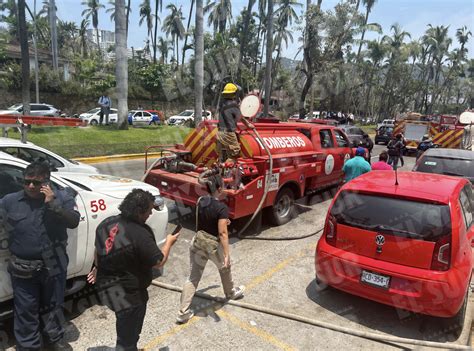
(330, 230)
(442, 254)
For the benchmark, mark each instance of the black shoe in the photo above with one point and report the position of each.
(59, 345)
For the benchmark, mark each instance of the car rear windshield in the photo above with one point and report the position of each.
(448, 166)
(405, 218)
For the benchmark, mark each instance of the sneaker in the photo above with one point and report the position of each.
(184, 317)
(237, 293)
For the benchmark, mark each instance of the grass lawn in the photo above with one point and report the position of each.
(369, 129)
(104, 140)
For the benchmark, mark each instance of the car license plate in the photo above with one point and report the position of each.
(379, 280)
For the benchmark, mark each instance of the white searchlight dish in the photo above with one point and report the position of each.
(466, 117)
(249, 106)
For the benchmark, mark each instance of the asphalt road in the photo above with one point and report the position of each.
(278, 275)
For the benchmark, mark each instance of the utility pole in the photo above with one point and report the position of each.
(54, 33)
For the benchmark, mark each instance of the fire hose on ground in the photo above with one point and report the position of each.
(349, 331)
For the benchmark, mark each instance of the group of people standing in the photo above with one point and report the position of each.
(36, 220)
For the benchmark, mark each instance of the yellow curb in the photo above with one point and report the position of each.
(112, 158)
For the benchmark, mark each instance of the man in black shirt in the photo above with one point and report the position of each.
(126, 252)
(37, 219)
(212, 222)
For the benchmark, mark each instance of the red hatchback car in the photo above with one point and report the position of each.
(405, 245)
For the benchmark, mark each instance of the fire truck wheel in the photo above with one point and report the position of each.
(283, 208)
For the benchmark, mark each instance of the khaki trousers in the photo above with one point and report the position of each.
(198, 260)
(227, 143)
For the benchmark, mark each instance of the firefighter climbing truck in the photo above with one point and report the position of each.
(279, 163)
(446, 131)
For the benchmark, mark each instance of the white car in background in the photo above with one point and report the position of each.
(30, 152)
(92, 117)
(44, 110)
(187, 116)
(97, 197)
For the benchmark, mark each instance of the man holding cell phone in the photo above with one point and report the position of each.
(37, 219)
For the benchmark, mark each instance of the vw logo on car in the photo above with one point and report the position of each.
(380, 240)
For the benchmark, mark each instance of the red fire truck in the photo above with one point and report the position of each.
(445, 130)
(279, 163)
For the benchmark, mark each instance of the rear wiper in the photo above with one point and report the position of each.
(386, 229)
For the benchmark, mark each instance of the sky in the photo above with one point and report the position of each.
(412, 15)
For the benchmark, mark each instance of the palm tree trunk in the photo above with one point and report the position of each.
(97, 37)
(363, 33)
(156, 31)
(268, 63)
(128, 16)
(187, 31)
(54, 33)
(199, 62)
(25, 58)
(256, 47)
(121, 68)
(243, 38)
(177, 51)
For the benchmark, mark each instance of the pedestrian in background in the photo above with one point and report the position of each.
(37, 220)
(126, 252)
(211, 242)
(356, 165)
(382, 165)
(395, 147)
(105, 105)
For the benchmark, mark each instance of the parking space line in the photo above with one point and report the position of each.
(268, 274)
(269, 338)
(253, 283)
(161, 338)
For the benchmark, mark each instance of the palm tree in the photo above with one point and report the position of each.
(82, 35)
(268, 63)
(199, 62)
(220, 12)
(92, 10)
(369, 4)
(243, 37)
(260, 30)
(185, 46)
(158, 4)
(163, 46)
(462, 35)
(111, 10)
(121, 68)
(147, 16)
(25, 58)
(376, 53)
(286, 12)
(173, 25)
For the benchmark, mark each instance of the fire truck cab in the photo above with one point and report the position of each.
(279, 163)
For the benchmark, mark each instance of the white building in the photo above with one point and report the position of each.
(106, 38)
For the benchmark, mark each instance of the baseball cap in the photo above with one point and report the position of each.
(360, 151)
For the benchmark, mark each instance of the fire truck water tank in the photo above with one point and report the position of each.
(277, 141)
